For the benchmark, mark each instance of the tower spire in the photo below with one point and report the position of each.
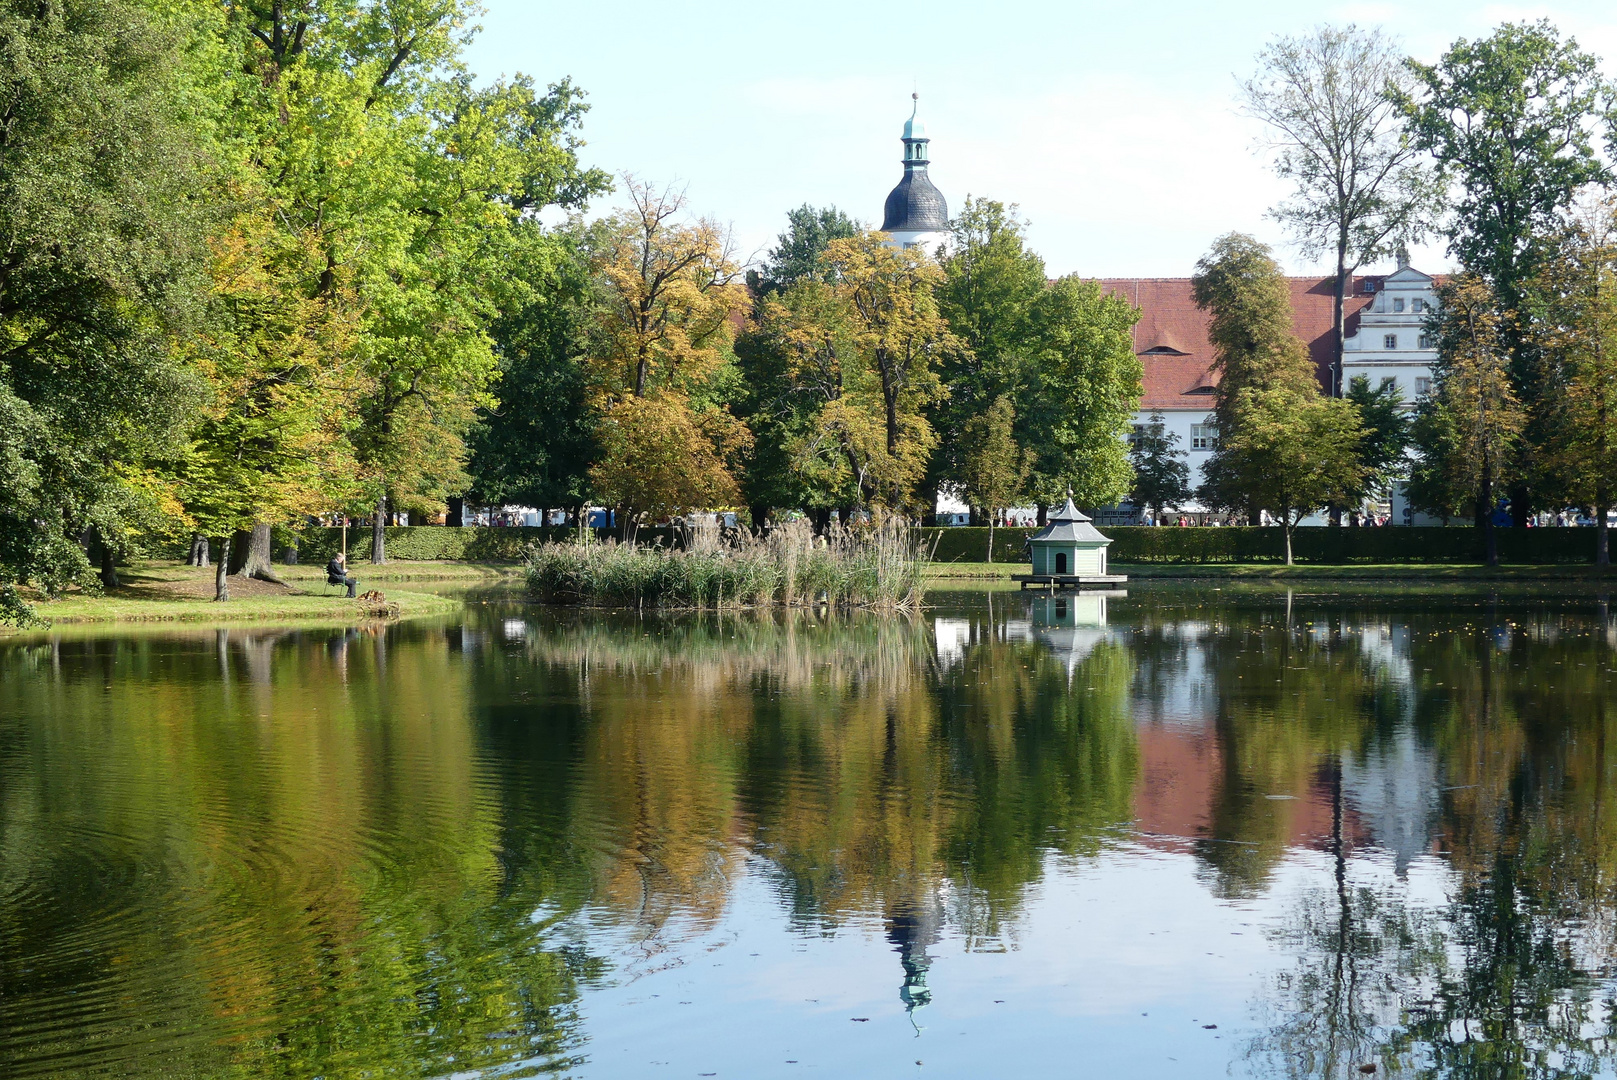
(916, 153)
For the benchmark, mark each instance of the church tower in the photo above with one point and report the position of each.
(916, 214)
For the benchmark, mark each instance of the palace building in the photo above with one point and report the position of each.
(1386, 340)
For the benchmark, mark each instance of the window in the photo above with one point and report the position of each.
(1203, 437)
(1135, 431)
(1389, 382)
(1398, 304)
(1417, 305)
(1423, 386)
(1426, 342)
(1390, 341)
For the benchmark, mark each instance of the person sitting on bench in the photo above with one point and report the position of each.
(337, 574)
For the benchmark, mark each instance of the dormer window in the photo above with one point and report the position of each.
(1398, 305)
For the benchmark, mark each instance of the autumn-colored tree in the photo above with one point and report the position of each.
(1574, 303)
(361, 131)
(995, 467)
(793, 355)
(268, 444)
(899, 338)
(1466, 430)
(661, 360)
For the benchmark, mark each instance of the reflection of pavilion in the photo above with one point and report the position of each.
(1070, 625)
(913, 928)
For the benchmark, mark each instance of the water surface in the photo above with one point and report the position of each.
(1185, 832)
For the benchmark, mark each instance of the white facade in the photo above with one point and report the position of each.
(1392, 342)
(929, 242)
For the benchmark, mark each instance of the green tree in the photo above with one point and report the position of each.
(1574, 308)
(1085, 388)
(1161, 473)
(1249, 323)
(1282, 446)
(106, 265)
(536, 446)
(1291, 454)
(1382, 452)
(786, 465)
(792, 356)
(1358, 184)
(796, 254)
(362, 131)
(996, 467)
(1510, 119)
(1466, 430)
(991, 282)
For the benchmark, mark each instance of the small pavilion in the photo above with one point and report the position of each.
(1069, 551)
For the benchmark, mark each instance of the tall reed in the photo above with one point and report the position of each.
(878, 566)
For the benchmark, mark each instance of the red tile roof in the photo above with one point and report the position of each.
(1171, 336)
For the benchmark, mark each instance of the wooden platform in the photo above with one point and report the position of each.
(1069, 581)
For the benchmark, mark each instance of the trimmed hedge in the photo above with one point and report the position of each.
(1130, 544)
(969, 543)
(471, 543)
(1319, 545)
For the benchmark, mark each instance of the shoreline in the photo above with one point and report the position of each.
(173, 593)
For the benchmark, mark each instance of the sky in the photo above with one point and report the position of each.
(1114, 127)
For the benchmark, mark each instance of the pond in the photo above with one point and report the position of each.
(1177, 832)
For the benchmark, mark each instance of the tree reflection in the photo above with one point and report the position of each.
(1511, 977)
(261, 854)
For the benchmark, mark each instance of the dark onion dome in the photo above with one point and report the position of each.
(915, 205)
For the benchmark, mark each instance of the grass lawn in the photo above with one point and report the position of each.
(974, 571)
(174, 592)
(468, 573)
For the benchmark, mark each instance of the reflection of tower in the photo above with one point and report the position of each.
(916, 214)
(913, 928)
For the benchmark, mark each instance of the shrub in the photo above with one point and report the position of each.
(874, 567)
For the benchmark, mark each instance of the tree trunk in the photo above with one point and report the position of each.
(109, 563)
(379, 532)
(1287, 522)
(221, 575)
(1518, 507)
(760, 518)
(1602, 545)
(1043, 518)
(1338, 318)
(1490, 543)
(457, 513)
(990, 535)
(250, 551)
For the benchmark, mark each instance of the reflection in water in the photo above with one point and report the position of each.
(524, 843)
